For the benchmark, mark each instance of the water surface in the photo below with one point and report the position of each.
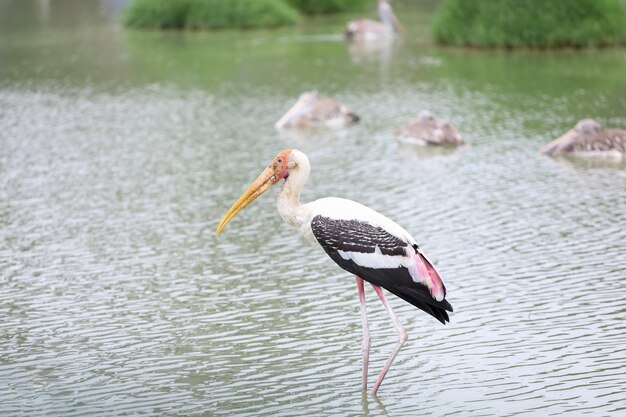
(120, 151)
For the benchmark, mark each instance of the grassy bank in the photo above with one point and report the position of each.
(531, 23)
(219, 14)
(331, 6)
(209, 14)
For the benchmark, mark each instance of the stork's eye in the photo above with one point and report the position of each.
(280, 160)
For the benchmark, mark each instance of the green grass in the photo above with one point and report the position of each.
(209, 14)
(331, 6)
(531, 23)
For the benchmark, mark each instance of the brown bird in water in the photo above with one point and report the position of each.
(588, 139)
(425, 129)
(369, 30)
(310, 111)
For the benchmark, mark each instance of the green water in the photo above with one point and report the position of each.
(120, 150)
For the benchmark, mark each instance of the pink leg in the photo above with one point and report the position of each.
(365, 345)
(402, 338)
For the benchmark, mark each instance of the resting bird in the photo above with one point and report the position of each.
(588, 138)
(360, 240)
(367, 30)
(426, 130)
(310, 111)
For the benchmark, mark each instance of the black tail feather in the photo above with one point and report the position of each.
(416, 297)
(399, 282)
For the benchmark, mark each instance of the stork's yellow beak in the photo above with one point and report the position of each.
(270, 176)
(557, 145)
(258, 187)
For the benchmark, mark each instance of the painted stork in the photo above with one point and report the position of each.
(310, 111)
(425, 129)
(588, 138)
(360, 240)
(370, 30)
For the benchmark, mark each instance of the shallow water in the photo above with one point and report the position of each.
(121, 150)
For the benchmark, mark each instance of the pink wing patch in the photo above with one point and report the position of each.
(429, 277)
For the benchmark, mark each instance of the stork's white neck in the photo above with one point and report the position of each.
(383, 13)
(387, 17)
(289, 207)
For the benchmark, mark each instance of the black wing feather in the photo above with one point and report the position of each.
(356, 236)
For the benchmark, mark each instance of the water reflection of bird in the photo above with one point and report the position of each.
(588, 138)
(359, 240)
(310, 110)
(425, 129)
(366, 29)
(370, 52)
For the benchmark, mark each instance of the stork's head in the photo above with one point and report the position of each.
(447, 134)
(305, 102)
(587, 126)
(426, 116)
(285, 162)
(561, 144)
(388, 17)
